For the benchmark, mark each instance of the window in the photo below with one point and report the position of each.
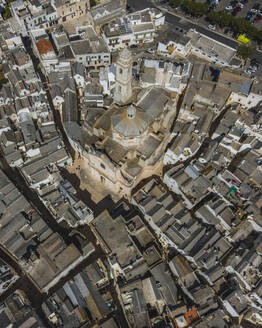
(119, 88)
(80, 58)
(103, 180)
(120, 70)
(103, 166)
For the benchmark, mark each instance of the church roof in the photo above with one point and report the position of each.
(153, 103)
(129, 122)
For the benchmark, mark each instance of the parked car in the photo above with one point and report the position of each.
(253, 62)
(228, 8)
(248, 72)
(211, 27)
(133, 46)
(253, 10)
(128, 9)
(150, 51)
(252, 69)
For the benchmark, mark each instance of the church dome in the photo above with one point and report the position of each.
(129, 122)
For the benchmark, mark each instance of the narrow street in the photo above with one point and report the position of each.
(35, 296)
(36, 62)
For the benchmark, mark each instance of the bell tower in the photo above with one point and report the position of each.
(123, 88)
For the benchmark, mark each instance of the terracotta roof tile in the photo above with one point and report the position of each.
(44, 46)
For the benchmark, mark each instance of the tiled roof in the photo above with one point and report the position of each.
(44, 46)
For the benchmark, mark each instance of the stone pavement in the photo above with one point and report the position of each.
(97, 189)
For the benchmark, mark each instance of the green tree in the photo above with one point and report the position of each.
(3, 80)
(214, 17)
(195, 8)
(240, 25)
(7, 13)
(245, 51)
(258, 36)
(252, 31)
(92, 3)
(225, 19)
(175, 3)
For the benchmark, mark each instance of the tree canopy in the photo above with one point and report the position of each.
(195, 8)
(92, 3)
(7, 13)
(238, 25)
(191, 7)
(245, 51)
(175, 2)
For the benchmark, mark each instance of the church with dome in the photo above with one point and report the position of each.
(125, 143)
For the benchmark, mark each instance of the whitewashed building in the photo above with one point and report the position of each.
(172, 76)
(33, 15)
(136, 28)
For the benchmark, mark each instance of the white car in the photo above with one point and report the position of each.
(228, 8)
(211, 27)
(248, 72)
(150, 51)
(253, 10)
(241, 5)
(253, 69)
